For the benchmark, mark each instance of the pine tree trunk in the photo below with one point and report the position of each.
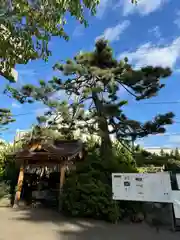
(106, 144)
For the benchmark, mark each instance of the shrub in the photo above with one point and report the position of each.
(4, 190)
(8, 172)
(88, 189)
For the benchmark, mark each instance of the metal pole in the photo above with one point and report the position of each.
(173, 219)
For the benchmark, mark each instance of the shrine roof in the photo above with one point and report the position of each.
(58, 149)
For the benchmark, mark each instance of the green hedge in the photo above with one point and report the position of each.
(88, 190)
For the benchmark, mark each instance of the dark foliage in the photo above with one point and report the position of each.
(5, 118)
(26, 27)
(88, 189)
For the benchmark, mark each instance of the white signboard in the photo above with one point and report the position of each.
(176, 203)
(178, 180)
(149, 187)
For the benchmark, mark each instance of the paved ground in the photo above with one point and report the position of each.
(38, 224)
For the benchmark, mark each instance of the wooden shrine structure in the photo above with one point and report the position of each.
(62, 153)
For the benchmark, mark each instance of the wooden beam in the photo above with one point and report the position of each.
(62, 176)
(19, 185)
(62, 179)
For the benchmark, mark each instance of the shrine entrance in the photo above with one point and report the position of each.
(42, 171)
(41, 185)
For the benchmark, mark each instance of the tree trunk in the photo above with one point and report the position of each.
(106, 144)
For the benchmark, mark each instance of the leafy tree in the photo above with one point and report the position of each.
(96, 77)
(171, 154)
(6, 148)
(176, 154)
(162, 152)
(9, 170)
(145, 159)
(137, 148)
(5, 118)
(26, 27)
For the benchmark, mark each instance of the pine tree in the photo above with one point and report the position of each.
(97, 78)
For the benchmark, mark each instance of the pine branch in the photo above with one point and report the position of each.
(131, 93)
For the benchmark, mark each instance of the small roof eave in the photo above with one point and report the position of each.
(60, 149)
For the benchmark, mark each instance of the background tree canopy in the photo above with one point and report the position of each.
(5, 118)
(26, 27)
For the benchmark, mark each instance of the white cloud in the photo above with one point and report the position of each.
(154, 55)
(16, 105)
(155, 31)
(177, 70)
(60, 95)
(113, 33)
(27, 71)
(41, 111)
(102, 7)
(177, 20)
(174, 139)
(144, 7)
(78, 31)
(140, 141)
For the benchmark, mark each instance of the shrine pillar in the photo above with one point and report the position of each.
(62, 179)
(19, 186)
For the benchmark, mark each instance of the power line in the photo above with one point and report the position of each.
(24, 114)
(150, 103)
(153, 103)
(155, 135)
(166, 134)
(31, 112)
(165, 102)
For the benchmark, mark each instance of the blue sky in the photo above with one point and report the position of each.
(148, 33)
